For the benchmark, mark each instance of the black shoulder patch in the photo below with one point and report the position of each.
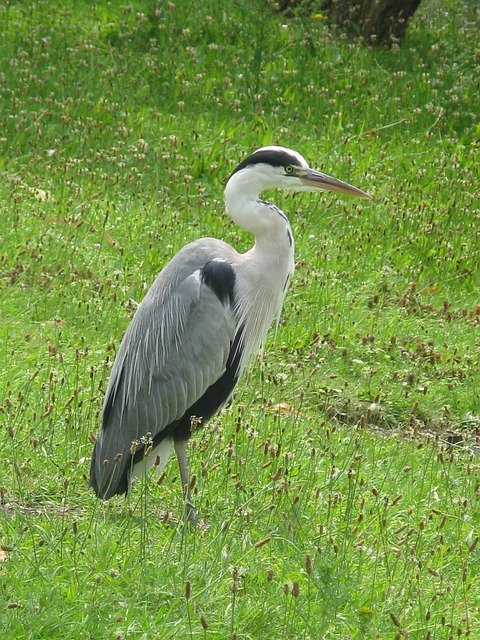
(268, 156)
(220, 277)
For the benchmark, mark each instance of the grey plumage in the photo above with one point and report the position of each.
(176, 347)
(206, 313)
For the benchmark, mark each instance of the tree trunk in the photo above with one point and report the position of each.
(378, 21)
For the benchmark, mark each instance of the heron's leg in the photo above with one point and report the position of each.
(181, 451)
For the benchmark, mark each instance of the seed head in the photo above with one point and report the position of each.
(134, 446)
(308, 564)
(260, 543)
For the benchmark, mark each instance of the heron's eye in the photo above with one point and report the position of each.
(289, 169)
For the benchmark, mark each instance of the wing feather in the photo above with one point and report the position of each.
(176, 347)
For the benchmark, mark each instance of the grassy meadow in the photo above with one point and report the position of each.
(340, 492)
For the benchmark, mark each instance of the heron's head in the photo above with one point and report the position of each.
(282, 168)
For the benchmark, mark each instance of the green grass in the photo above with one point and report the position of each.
(352, 511)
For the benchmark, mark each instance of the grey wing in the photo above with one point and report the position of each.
(176, 347)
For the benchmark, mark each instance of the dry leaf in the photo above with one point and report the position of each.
(109, 240)
(3, 555)
(287, 409)
(435, 289)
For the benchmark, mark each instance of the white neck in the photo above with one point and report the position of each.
(269, 262)
(269, 225)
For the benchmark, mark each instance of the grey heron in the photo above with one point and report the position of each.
(206, 313)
